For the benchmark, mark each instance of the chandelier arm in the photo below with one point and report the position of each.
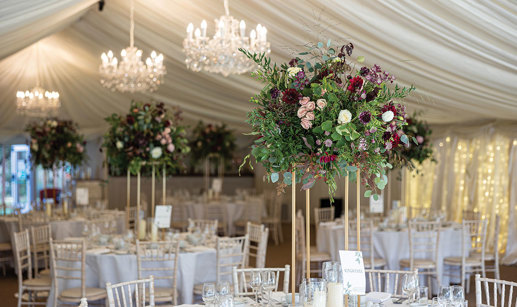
(226, 8)
(132, 23)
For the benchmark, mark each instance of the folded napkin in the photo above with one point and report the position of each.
(98, 251)
(377, 297)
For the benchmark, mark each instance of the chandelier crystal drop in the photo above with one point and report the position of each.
(131, 74)
(221, 54)
(37, 102)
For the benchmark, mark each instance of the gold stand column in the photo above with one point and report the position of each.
(293, 237)
(164, 188)
(308, 231)
(137, 225)
(128, 195)
(153, 192)
(358, 219)
(346, 224)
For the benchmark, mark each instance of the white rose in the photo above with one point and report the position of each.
(344, 117)
(292, 71)
(54, 123)
(156, 152)
(388, 116)
(119, 145)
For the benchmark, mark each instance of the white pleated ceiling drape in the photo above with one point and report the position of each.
(461, 55)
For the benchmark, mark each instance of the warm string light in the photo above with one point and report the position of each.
(131, 74)
(220, 54)
(480, 183)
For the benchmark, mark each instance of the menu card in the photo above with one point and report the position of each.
(162, 216)
(352, 265)
(81, 196)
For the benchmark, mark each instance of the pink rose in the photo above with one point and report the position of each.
(170, 147)
(323, 91)
(304, 100)
(301, 112)
(167, 130)
(419, 139)
(163, 141)
(309, 115)
(310, 105)
(80, 148)
(322, 103)
(306, 124)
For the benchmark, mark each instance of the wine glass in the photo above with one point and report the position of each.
(410, 286)
(269, 284)
(445, 293)
(255, 283)
(209, 293)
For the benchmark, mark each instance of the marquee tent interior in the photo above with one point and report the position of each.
(460, 55)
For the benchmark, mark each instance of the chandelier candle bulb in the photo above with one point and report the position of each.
(190, 29)
(242, 27)
(203, 28)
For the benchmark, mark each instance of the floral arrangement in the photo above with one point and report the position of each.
(54, 142)
(212, 140)
(149, 133)
(419, 150)
(323, 118)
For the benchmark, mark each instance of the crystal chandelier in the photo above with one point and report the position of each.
(132, 74)
(221, 54)
(37, 102)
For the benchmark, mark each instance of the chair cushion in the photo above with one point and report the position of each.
(379, 262)
(318, 256)
(45, 272)
(198, 289)
(40, 282)
(163, 295)
(241, 223)
(74, 294)
(470, 261)
(179, 224)
(5, 247)
(418, 263)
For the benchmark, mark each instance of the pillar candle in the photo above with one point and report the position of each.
(154, 233)
(141, 229)
(65, 207)
(320, 298)
(48, 209)
(334, 294)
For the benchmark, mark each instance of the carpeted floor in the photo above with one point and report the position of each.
(277, 256)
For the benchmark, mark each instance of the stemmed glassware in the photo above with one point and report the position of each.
(410, 286)
(255, 283)
(209, 293)
(268, 284)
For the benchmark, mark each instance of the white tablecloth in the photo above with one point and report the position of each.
(193, 268)
(61, 229)
(392, 246)
(234, 211)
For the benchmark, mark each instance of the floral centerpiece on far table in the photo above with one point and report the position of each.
(54, 142)
(149, 133)
(419, 149)
(322, 116)
(212, 141)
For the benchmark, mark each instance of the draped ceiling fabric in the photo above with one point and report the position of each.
(461, 55)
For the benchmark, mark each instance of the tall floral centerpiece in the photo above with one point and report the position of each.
(212, 142)
(149, 134)
(54, 142)
(322, 115)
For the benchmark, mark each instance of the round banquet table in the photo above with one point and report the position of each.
(234, 210)
(61, 229)
(101, 267)
(392, 246)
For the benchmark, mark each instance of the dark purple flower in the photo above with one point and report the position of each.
(291, 96)
(293, 62)
(274, 93)
(373, 94)
(364, 71)
(365, 117)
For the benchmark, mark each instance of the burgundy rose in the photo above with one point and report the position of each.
(389, 107)
(386, 136)
(130, 119)
(293, 62)
(355, 84)
(396, 139)
(291, 96)
(373, 94)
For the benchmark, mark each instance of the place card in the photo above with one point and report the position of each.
(81, 196)
(162, 216)
(352, 265)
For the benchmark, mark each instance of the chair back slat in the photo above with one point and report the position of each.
(241, 285)
(41, 246)
(138, 293)
(388, 281)
(68, 263)
(203, 224)
(231, 252)
(492, 292)
(22, 255)
(160, 260)
(424, 240)
(366, 231)
(258, 236)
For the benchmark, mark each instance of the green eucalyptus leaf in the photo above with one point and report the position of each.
(275, 177)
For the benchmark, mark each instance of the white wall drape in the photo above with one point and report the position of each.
(476, 170)
(459, 54)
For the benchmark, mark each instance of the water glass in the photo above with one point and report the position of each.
(423, 294)
(410, 286)
(438, 302)
(268, 283)
(313, 292)
(223, 288)
(209, 293)
(457, 294)
(332, 272)
(445, 293)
